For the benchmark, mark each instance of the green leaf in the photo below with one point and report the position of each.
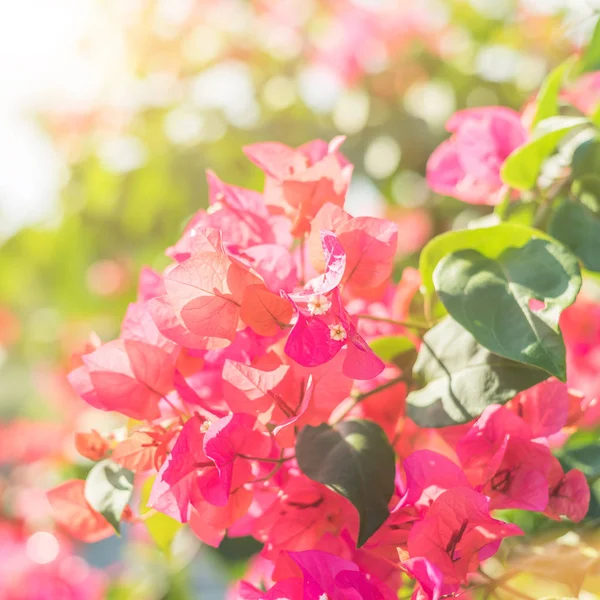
(108, 489)
(590, 61)
(162, 528)
(586, 159)
(398, 350)
(460, 378)
(354, 459)
(521, 169)
(578, 228)
(490, 241)
(547, 101)
(491, 297)
(585, 458)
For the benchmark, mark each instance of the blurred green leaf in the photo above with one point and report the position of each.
(108, 489)
(590, 60)
(547, 104)
(521, 169)
(162, 528)
(578, 228)
(398, 350)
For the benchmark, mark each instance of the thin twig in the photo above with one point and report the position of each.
(408, 323)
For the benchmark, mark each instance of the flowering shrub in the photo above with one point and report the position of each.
(280, 385)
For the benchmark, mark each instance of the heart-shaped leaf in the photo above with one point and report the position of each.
(512, 303)
(354, 459)
(460, 378)
(490, 241)
(108, 489)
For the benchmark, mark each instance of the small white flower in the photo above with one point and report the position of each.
(205, 426)
(323, 597)
(337, 332)
(318, 304)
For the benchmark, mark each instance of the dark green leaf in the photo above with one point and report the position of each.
(521, 169)
(491, 297)
(398, 350)
(578, 228)
(490, 241)
(586, 459)
(108, 489)
(354, 459)
(586, 159)
(460, 378)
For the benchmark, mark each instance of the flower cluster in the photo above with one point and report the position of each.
(260, 329)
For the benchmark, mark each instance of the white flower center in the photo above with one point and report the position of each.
(318, 304)
(337, 332)
(205, 426)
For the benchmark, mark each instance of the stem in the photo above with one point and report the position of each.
(408, 323)
(271, 460)
(269, 475)
(179, 413)
(150, 513)
(302, 261)
(361, 397)
(500, 584)
(380, 388)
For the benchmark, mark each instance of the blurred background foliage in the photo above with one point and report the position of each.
(154, 92)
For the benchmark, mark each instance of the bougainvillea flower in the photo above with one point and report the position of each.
(145, 449)
(202, 465)
(520, 478)
(236, 218)
(300, 181)
(205, 293)
(72, 511)
(429, 474)
(369, 244)
(430, 583)
(316, 339)
(301, 515)
(210, 522)
(544, 407)
(250, 389)
(456, 530)
(482, 446)
(334, 267)
(569, 494)
(467, 166)
(321, 575)
(227, 439)
(266, 313)
(150, 284)
(323, 326)
(275, 265)
(127, 376)
(91, 445)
